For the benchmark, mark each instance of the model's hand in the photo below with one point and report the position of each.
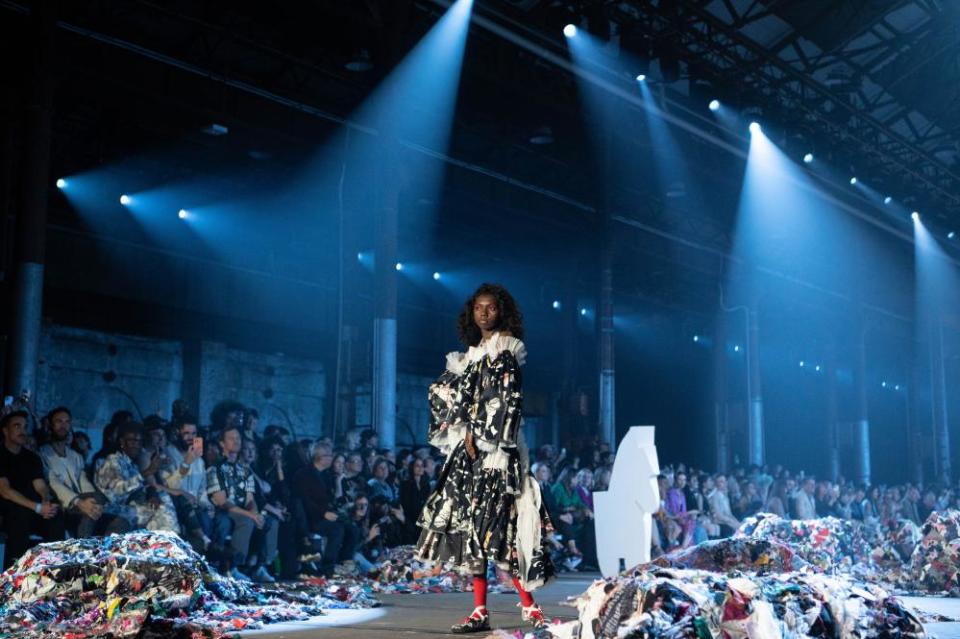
(469, 445)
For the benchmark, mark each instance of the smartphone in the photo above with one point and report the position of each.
(198, 446)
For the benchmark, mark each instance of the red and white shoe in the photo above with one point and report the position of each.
(534, 615)
(478, 621)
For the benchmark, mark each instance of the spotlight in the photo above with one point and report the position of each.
(736, 348)
(583, 312)
(641, 77)
(897, 387)
(125, 199)
(887, 200)
(696, 338)
(182, 214)
(802, 363)
(853, 180)
(755, 127)
(808, 158)
(436, 275)
(915, 216)
(570, 30)
(884, 384)
(399, 266)
(556, 305)
(714, 105)
(951, 235)
(359, 257)
(61, 183)
(817, 368)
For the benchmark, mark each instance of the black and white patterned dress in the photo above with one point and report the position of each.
(488, 508)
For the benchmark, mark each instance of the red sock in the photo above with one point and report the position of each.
(525, 597)
(480, 592)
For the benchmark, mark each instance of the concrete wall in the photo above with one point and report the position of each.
(96, 374)
(286, 390)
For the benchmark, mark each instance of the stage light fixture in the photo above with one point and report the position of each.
(583, 312)
(817, 368)
(736, 348)
(125, 199)
(714, 105)
(399, 266)
(887, 200)
(61, 183)
(570, 30)
(802, 363)
(641, 78)
(436, 275)
(853, 180)
(182, 214)
(556, 305)
(915, 216)
(883, 384)
(696, 338)
(897, 387)
(808, 158)
(359, 257)
(755, 127)
(951, 235)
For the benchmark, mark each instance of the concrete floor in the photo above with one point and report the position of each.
(411, 616)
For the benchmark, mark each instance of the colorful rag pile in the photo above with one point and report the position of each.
(122, 585)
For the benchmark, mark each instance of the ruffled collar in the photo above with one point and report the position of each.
(457, 362)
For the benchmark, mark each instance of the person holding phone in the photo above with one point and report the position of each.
(185, 477)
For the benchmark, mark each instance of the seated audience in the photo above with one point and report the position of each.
(26, 502)
(128, 493)
(414, 492)
(185, 478)
(81, 502)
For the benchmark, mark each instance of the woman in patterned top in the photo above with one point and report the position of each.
(486, 505)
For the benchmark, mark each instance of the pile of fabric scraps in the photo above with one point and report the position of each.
(120, 585)
(725, 555)
(831, 544)
(892, 547)
(398, 572)
(676, 603)
(935, 563)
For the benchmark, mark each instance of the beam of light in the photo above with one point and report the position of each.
(853, 180)
(570, 30)
(436, 276)
(183, 214)
(755, 128)
(808, 158)
(126, 200)
(887, 200)
(399, 266)
(714, 105)
(556, 305)
(642, 77)
(61, 183)
(915, 216)
(411, 111)
(951, 235)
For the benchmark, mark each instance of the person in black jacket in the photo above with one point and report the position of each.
(314, 492)
(414, 492)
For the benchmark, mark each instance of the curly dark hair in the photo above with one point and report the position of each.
(510, 318)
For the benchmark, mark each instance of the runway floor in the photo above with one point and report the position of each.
(412, 616)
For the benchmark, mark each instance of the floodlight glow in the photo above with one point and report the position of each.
(182, 214)
(125, 199)
(817, 368)
(556, 305)
(887, 200)
(359, 257)
(853, 180)
(736, 348)
(808, 158)
(884, 384)
(802, 363)
(399, 266)
(755, 127)
(583, 311)
(61, 183)
(915, 216)
(696, 338)
(641, 77)
(951, 235)
(897, 387)
(570, 30)
(436, 275)
(714, 105)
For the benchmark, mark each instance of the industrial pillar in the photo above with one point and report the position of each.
(720, 430)
(938, 397)
(833, 443)
(754, 386)
(861, 425)
(608, 425)
(914, 412)
(32, 220)
(385, 304)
